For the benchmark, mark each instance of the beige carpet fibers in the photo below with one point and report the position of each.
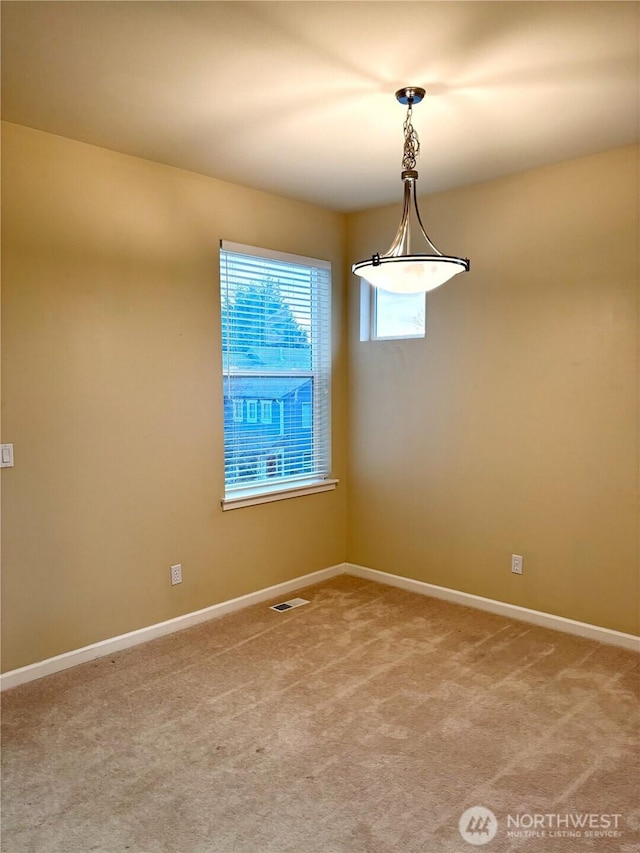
(366, 721)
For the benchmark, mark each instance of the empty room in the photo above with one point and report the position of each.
(320, 427)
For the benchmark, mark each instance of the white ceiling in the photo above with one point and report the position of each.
(297, 98)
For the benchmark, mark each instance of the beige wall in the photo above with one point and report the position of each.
(113, 396)
(513, 427)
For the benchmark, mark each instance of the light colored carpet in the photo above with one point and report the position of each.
(364, 722)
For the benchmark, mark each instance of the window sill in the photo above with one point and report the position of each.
(277, 493)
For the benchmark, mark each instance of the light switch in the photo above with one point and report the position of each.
(6, 455)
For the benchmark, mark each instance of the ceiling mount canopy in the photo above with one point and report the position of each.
(400, 269)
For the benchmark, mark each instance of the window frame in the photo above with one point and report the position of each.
(266, 411)
(369, 317)
(238, 410)
(320, 480)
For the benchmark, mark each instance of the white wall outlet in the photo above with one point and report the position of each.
(176, 574)
(6, 455)
(516, 564)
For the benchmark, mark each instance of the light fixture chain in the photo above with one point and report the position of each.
(402, 269)
(411, 142)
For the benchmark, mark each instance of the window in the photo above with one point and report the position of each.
(266, 407)
(252, 411)
(238, 409)
(276, 354)
(389, 316)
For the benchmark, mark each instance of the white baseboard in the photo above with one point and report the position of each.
(115, 644)
(512, 611)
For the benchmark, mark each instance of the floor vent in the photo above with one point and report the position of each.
(288, 605)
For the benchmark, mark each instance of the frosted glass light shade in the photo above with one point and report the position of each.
(410, 273)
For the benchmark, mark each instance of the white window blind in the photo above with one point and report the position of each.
(276, 353)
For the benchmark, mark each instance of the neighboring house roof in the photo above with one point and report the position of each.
(267, 358)
(263, 387)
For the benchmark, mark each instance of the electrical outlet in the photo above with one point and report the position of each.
(516, 564)
(176, 574)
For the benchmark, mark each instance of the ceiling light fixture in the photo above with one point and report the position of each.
(399, 270)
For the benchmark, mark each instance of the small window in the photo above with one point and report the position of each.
(252, 411)
(306, 415)
(238, 411)
(265, 411)
(391, 316)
